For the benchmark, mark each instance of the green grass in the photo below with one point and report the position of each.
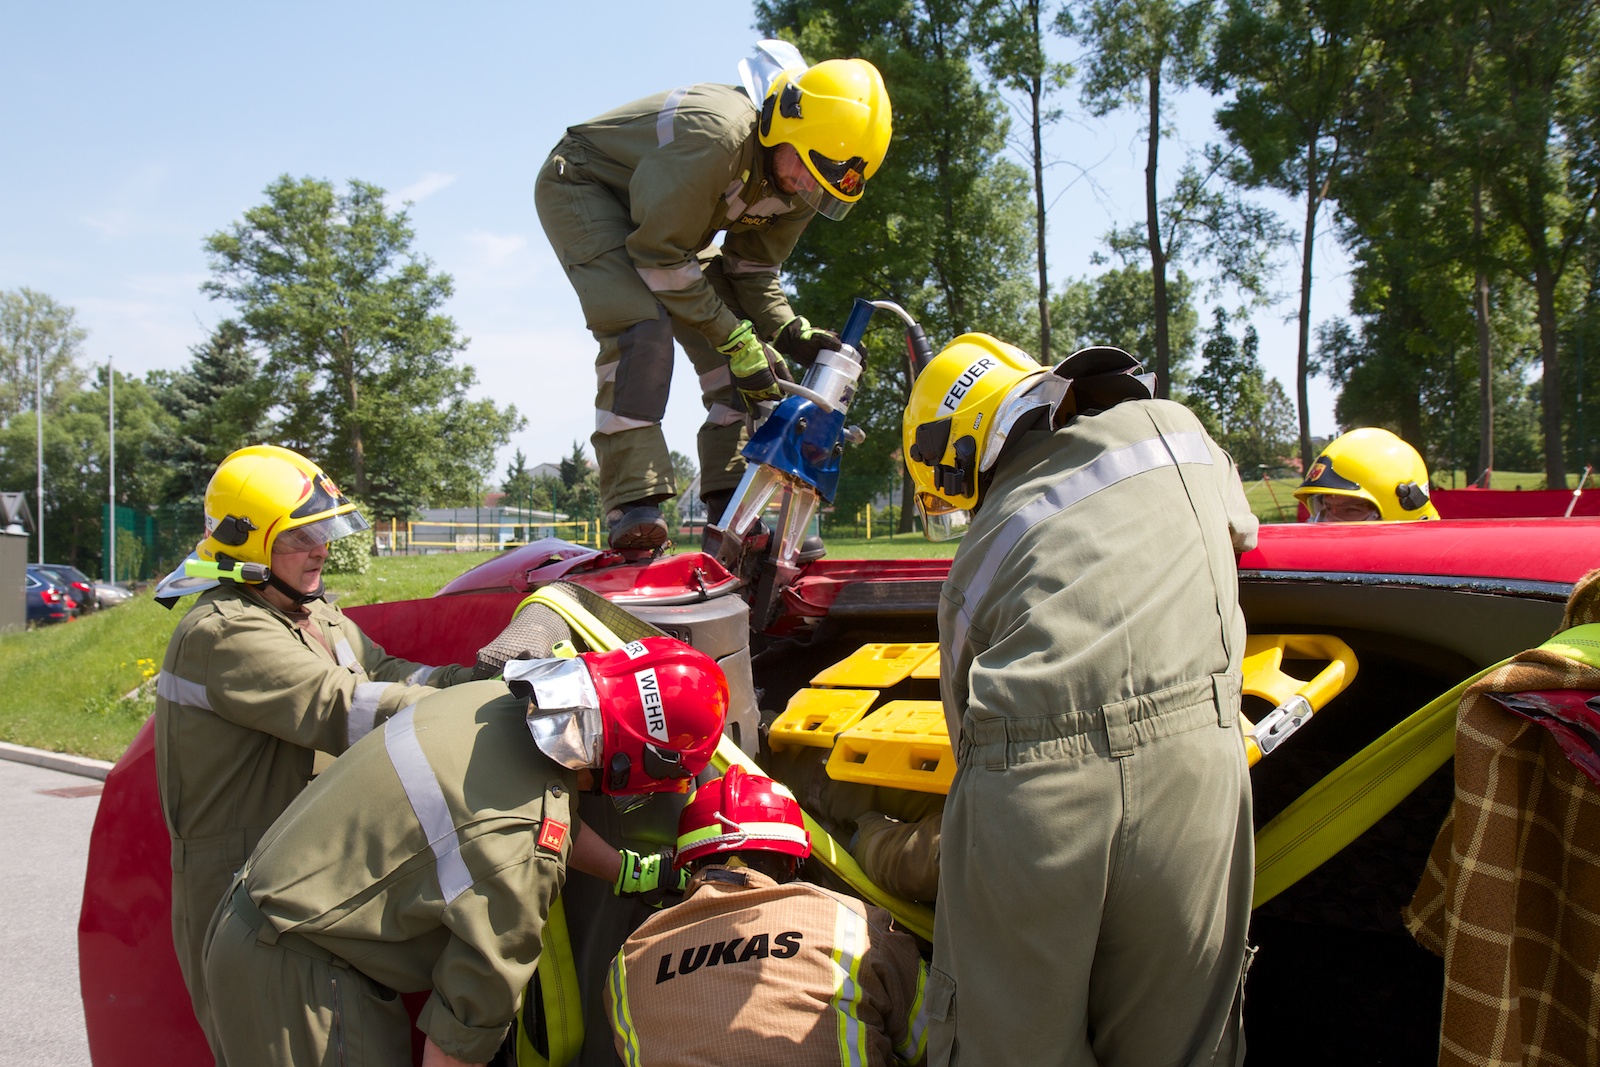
(66, 688)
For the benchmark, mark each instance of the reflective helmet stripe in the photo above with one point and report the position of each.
(725, 841)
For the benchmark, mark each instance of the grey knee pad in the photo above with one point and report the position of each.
(644, 371)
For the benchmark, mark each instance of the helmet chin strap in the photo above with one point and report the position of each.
(300, 599)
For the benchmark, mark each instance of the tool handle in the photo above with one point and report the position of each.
(855, 327)
(918, 349)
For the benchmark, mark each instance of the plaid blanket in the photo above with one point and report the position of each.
(1511, 893)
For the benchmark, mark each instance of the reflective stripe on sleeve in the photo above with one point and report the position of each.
(668, 112)
(660, 280)
(363, 714)
(713, 380)
(849, 945)
(181, 691)
(1104, 471)
(420, 675)
(345, 654)
(915, 1046)
(427, 802)
(622, 1013)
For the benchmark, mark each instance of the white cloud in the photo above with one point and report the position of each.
(495, 249)
(421, 189)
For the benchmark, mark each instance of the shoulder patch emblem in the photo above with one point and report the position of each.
(552, 835)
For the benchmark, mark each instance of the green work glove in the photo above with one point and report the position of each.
(802, 342)
(755, 366)
(650, 879)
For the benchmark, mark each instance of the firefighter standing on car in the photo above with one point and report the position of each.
(259, 675)
(427, 857)
(756, 968)
(1094, 891)
(631, 202)
(1367, 475)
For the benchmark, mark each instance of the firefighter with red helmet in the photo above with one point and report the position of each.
(260, 674)
(427, 856)
(756, 968)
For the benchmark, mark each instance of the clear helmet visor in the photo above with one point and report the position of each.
(940, 520)
(1336, 507)
(321, 532)
(825, 203)
(564, 717)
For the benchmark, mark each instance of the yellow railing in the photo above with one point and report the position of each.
(483, 536)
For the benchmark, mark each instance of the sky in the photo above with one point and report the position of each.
(132, 131)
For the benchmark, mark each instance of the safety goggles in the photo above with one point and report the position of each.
(304, 538)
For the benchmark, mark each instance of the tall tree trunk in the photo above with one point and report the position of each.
(358, 449)
(1036, 92)
(1302, 369)
(1555, 461)
(1480, 309)
(1038, 209)
(1158, 256)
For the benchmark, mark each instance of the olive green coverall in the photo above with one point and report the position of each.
(1095, 897)
(246, 695)
(631, 201)
(425, 858)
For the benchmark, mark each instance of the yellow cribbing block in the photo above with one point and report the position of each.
(903, 744)
(918, 918)
(876, 666)
(928, 669)
(815, 717)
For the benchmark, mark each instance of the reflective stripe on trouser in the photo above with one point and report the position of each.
(274, 1007)
(1117, 887)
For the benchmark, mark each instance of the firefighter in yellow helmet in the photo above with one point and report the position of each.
(1097, 836)
(633, 201)
(259, 675)
(1364, 476)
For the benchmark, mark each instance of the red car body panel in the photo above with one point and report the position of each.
(135, 1005)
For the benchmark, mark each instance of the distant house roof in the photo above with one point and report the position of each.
(14, 512)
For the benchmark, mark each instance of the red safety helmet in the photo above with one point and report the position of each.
(662, 704)
(741, 812)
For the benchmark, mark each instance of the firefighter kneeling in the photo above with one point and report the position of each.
(427, 857)
(755, 968)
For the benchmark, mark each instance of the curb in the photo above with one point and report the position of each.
(56, 761)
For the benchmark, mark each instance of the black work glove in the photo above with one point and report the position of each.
(802, 342)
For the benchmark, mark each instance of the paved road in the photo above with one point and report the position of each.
(44, 844)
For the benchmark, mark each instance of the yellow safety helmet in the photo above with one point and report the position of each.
(836, 116)
(261, 494)
(1374, 465)
(952, 431)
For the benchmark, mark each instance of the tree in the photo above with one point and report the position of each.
(218, 404)
(1012, 32)
(1115, 309)
(943, 229)
(679, 508)
(37, 333)
(361, 362)
(1295, 68)
(1137, 49)
(1247, 414)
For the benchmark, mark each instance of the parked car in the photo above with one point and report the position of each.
(49, 599)
(110, 594)
(78, 583)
